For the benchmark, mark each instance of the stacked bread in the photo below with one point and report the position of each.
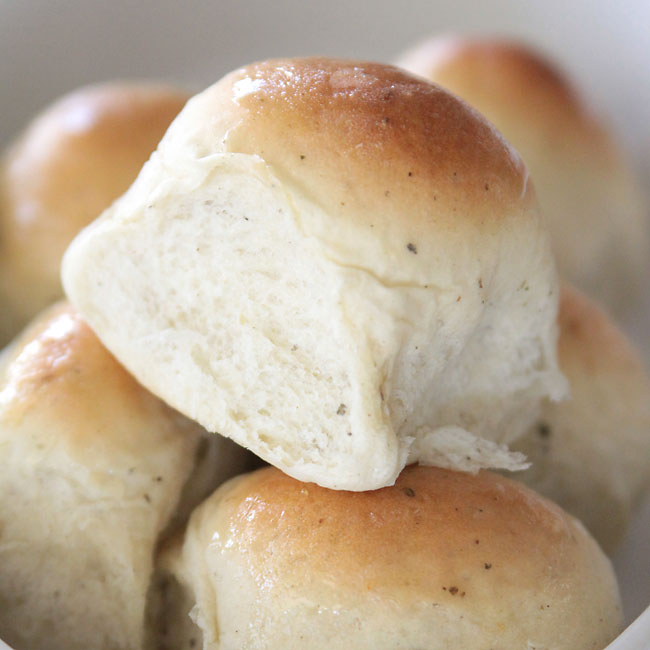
(342, 268)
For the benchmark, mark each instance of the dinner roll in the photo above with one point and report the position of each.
(94, 469)
(591, 453)
(73, 160)
(588, 195)
(440, 560)
(337, 265)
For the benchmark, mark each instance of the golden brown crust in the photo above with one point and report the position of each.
(487, 71)
(474, 531)
(59, 371)
(441, 559)
(78, 157)
(367, 140)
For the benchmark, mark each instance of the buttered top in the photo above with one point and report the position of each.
(372, 145)
(441, 559)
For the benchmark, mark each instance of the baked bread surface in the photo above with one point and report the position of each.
(337, 265)
(440, 560)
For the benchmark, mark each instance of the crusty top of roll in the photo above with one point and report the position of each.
(588, 194)
(361, 139)
(464, 521)
(487, 70)
(441, 559)
(59, 369)
(79, 155)
(591, 452)
(71, 163)
(338, 265)
(60, 384)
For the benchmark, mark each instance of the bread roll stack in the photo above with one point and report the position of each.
(337, 265)
(342, 267)
(95, 472)
(71, 163)
(589, 197)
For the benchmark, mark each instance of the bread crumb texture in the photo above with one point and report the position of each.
(300, 240)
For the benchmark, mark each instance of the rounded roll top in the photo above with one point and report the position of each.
(441, 559)
(368, 142)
